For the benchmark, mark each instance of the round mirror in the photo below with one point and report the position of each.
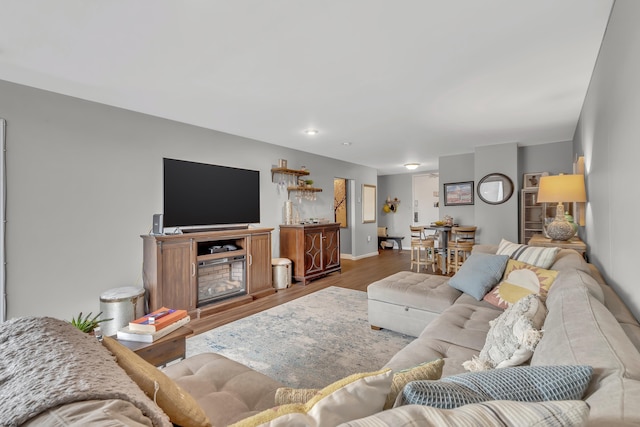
(495, 188)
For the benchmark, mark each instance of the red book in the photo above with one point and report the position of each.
(156, 320)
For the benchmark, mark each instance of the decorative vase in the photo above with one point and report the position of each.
(569, 219)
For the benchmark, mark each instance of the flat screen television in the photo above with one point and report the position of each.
(199, 195)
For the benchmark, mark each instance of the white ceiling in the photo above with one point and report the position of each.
(402, 81)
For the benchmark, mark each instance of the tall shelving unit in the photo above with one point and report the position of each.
(532, 214)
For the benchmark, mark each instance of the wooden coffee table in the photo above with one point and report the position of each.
(166, 349)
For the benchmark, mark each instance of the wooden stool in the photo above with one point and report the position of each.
(457, 253)
(459, 246)
(419, 244)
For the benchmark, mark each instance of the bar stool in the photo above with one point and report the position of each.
(459, 246)
(421, 244)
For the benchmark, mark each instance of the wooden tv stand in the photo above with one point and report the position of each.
(170, 273)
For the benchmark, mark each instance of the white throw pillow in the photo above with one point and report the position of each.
(512, 336)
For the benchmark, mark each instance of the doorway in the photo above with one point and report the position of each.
(342, 212)
(425, 188)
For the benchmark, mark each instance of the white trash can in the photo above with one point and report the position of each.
(122, 305)
(281, 272)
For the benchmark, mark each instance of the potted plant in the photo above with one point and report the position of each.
(309, 182)
(87, 324)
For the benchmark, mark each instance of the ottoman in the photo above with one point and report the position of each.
(406, 302)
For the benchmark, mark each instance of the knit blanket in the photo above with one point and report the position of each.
(46, 362)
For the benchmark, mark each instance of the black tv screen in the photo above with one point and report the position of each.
(202, 195)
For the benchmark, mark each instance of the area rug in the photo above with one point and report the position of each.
(309, 342)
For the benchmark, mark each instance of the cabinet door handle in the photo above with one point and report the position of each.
(193, 269)
(250, 260)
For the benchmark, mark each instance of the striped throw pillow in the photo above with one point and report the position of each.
(534, 255)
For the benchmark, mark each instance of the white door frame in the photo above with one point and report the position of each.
(3, 211)
(424, 200)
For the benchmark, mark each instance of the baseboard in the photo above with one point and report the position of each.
(353, 258)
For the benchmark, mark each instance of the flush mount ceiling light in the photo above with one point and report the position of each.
(311, 132)
(346, 144)
(411, 166)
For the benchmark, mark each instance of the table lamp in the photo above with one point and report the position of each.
(561, 188)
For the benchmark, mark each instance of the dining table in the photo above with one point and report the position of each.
(443, 238)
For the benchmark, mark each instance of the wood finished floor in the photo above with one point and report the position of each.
(355, 275)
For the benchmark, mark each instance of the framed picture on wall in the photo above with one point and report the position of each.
(368, 203)
(458, 193)
(532, 180)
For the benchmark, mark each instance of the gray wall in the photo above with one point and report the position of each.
(554, 158)
(607, 135)
(84, 180)
(494, 221)
(458, 168)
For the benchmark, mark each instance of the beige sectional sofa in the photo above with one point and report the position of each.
(586, 324)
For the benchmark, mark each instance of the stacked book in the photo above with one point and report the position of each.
(154, 325)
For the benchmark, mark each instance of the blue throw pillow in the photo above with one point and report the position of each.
(521, 383)
(479, 274)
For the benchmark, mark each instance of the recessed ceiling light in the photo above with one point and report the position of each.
(311, 132)
(412, 166)
(346, 144)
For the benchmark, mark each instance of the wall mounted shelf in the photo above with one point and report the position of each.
(304, 189)
(294, 175)
(285, 171)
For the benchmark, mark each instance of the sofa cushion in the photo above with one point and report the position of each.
(356, 396)
(94, 413)
(538, 256)
(504, 413)
(226, 390)
(456, 335)
(179, 405)
(521, 279)
(427, 348)
(512, 336)
(462, 324)
(520, 383)
(479, 273)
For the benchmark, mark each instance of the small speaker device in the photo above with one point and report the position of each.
(157, 225)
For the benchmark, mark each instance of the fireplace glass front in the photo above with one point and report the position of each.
(221, 278)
